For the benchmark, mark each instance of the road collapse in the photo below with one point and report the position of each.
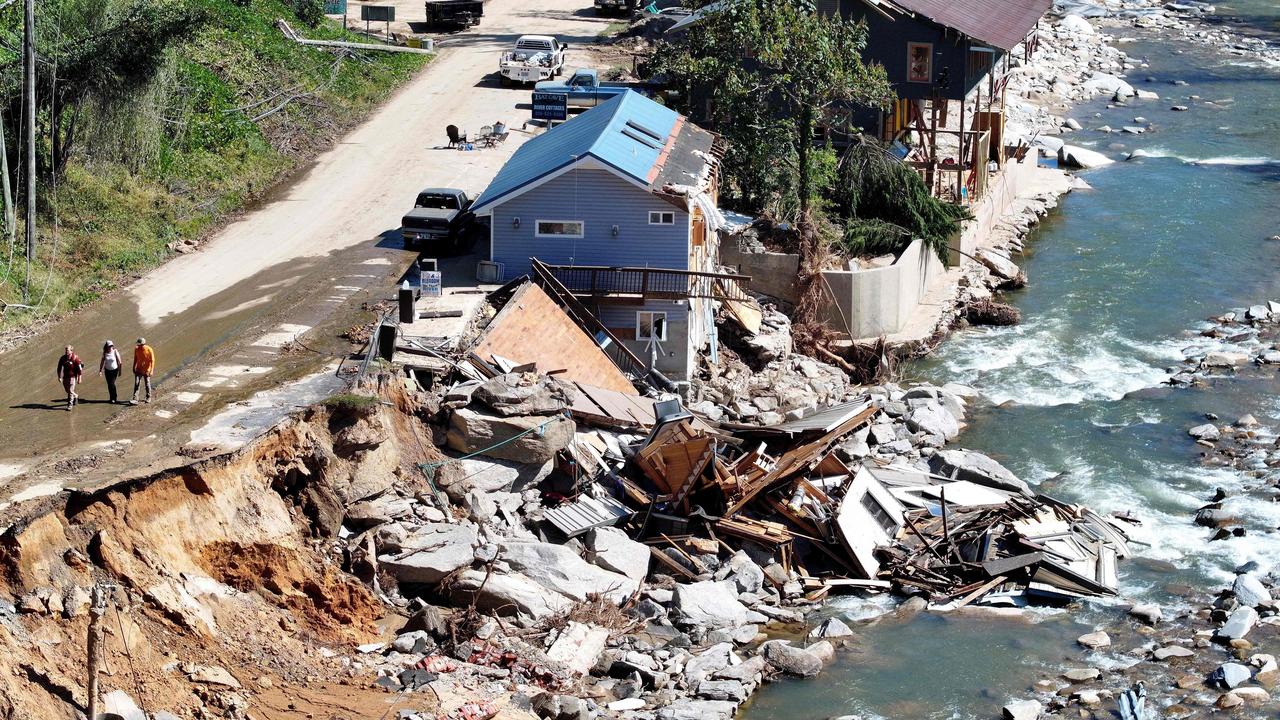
(694, 491)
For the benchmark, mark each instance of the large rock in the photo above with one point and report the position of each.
(790, 659)
(1077, 157)
(1250, 591)
(117, 703)
(745, 573)
(1108, 84)
(560, 570)
(611, 549)
(1022, 710)
(431, 553)
(1230, 675)
(710, 604)
(707, 663)
(579, 646)
(489, 475)
(532, 440)
(1076, 25)
(1224, 359)
(976, 468)
(830, 628)
(1207, 431)
(516, 394)
(1239, 623)
(998, 263)
(698, 710)
(509, 593)
(934, 419)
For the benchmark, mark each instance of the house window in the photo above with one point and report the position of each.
(651, 325)
(878, 513)
(662, 217)
(559, 228)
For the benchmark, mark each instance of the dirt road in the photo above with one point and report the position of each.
(218, 317)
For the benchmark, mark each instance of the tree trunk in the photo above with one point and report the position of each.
(805, 146)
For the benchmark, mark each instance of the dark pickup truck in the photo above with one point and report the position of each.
(454, 13)
(441, 218)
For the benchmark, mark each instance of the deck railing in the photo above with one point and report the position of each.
(649, 283)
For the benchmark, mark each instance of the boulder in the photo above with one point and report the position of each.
(1250, 591)
(1022, 710)
(531, 440)
(976, 468)
(789, 659)
(488, 475)
(1252, 695)
(731, 690)
(1079, 675)
(1224, 359)
(698, 710)
(1239, 623)
(1094, 640)
(1208, 432)
(1230, 675)
(1108, 84)
(933, 419)
(212, 675)
(432, 552)
(560, 570)
(510, 593)
(707, 663)
(823, 650)
(745, 573)
(831, 628)
(611, 549)
(1147, 613)
(1083, 158)
(998, 263)
(1075, 25)
(517, 394)
(579, 647)
(710, 604)
(118, 703)
(1172, 652)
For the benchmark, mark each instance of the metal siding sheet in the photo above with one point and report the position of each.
(601, 200)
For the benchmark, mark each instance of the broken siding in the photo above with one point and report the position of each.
(601, 200)
(676, 353)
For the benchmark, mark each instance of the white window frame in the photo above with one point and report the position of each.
(537, 229)
(661, 214)
(653, 315)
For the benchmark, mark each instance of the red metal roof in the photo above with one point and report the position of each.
(1002, 23)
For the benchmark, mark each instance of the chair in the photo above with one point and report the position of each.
(456, 137)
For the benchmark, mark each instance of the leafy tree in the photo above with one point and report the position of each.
(772, 70)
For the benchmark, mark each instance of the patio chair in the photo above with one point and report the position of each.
(457, 138)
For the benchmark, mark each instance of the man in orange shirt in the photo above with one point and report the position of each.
(144, 364)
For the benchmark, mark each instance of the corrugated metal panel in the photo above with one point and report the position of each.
(1002, 23)
(586, 513)
(601, 132)
(601, 200)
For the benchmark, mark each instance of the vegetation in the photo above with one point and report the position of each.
(352, 404)
(157, 119)
(773, 73)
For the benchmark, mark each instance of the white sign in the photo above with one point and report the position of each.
(431, 283)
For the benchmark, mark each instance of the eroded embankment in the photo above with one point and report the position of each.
(226, 563)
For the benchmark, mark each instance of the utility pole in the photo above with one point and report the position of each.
(29, 100)
(96, 611)
(10, 216)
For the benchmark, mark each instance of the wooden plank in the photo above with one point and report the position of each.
(986, 588)
(670, 564)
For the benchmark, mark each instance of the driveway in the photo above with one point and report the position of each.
(260, 303)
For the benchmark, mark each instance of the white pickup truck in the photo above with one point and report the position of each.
(534, 58)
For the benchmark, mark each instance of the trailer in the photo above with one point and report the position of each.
(454, 13)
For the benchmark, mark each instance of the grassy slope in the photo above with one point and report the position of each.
(208, 156)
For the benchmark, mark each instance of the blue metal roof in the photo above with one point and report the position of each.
(627, 133)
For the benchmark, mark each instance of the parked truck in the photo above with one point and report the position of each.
(454, 13)
(441, 220)
(617, 7)
(585, 89)
(534, 58)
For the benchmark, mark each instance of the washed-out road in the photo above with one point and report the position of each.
(286, 274)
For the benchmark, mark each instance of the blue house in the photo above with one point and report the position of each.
(620, 203)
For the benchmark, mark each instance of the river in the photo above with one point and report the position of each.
(1122, 277)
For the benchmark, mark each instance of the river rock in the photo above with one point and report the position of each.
(528, 439)
(1172, 652)
(1083, 158)
(489, 475)
(1229, 675)
(1252, 695)
(1094, 640)
(1239, 623)
(434, 550)
(707, 663)
(712, 604)
(998, 263)
(1208, 432)
(976, 468)
(1147, 613)
(933, 419)
(790, 659)
(830, 628)
(1076, 25)
(1224, 359)
(1108, 84)
(731, 690)
(1214, 517)
(509, 593)
(516, 394)
(698, 710)
(1250, 591)
(1079, 675)
(561, 570)
(1022, 710)
(611, 549)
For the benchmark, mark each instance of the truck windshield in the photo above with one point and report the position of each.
(437, 202)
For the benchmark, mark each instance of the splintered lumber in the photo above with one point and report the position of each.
(983, 590)
(1006, 565)
(670, 564)
(769, 534)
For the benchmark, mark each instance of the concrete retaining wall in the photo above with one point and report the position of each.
(773, 274)
(987, 212)
(870, 303)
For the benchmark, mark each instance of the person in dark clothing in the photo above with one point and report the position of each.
(110, 367)
(70, 370)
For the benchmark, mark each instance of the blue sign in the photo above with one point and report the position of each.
(335, 7)
(550, 106)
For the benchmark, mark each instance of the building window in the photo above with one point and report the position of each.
(919, 62)
(878, 513)
(662, 217)
(559, 228)
(651, 325)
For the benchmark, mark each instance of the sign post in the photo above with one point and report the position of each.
(551, 107)
(378, 13)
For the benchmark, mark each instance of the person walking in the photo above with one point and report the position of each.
(70, 370)
(144, 364)
(110, 366)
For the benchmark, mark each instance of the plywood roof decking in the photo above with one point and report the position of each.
(1002, 23)
(531, 328)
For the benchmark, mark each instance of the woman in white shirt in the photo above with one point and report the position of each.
(110, 367)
